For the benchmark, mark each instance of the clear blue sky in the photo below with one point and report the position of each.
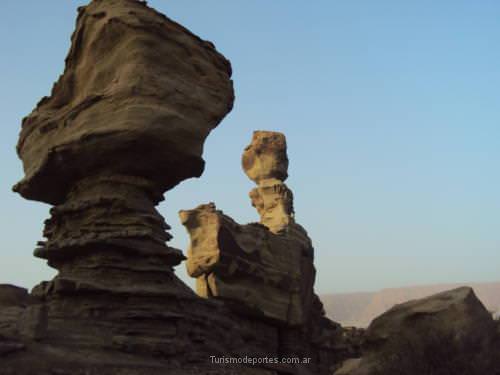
(391, 110)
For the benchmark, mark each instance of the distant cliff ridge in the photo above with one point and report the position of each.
(359, 309)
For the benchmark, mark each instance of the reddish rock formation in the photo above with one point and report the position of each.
(124, 123)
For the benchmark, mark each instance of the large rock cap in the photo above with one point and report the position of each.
(265, 157)
(138, 96)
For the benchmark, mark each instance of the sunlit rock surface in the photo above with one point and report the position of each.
(126, 122)
(267, 266)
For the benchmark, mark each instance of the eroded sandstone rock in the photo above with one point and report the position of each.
(265, 162)
(449, 332)
(265, 270)
(267, 267)
(265, 158)
(124, 123)
(249, 264)
(138, 96)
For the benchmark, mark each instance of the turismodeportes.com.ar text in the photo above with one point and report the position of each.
(246, 360)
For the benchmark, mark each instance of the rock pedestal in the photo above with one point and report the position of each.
(125, 123)
(265, 162)
(267, 267)
(264, 271)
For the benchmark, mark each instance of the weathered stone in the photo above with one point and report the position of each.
(267, 273)
(349, 367)
(265, 162)
(7, 347)
(265, 157)
(267, 267)
(457, 311)
(124, 123)
(446, 331)
(265, 270)
(11, 295)
(138, 96)
(33, 323)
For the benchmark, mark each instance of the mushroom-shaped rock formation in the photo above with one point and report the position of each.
(125, 122)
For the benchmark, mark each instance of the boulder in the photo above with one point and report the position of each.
(448, 333)
(457, 311)
(138, 96)
(265, 157)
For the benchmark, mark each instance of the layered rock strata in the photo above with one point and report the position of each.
(263, 270)
(125, 122)
(268, 266)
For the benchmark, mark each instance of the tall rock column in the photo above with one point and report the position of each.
(265, 162)
(124, 123)
(264, 270)
(266, 267)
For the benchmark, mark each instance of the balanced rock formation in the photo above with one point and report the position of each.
(265, 162)
(138, 96)
(264, 270)
(125, 122)
(267, 267)
(447, 333)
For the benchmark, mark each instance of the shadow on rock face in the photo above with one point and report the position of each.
(446, 334)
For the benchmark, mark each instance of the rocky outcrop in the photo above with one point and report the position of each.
(265, 162)
(124, 123)
(266, 267)
(249, 264)
(265, 270)
(447, 333)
